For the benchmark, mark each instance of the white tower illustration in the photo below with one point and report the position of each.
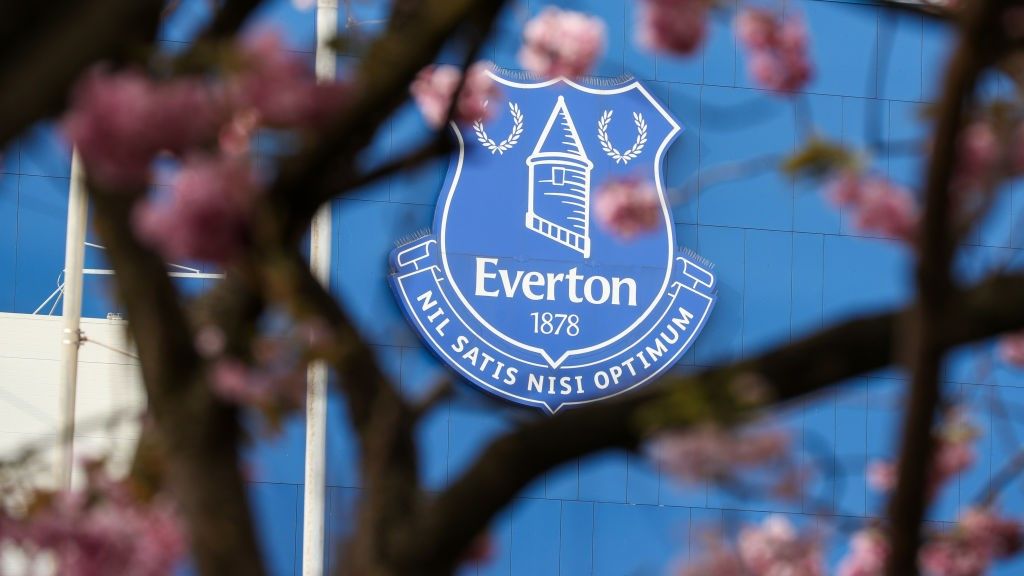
(559, 201)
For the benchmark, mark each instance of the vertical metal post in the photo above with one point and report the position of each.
(74, 255)
(316, 392)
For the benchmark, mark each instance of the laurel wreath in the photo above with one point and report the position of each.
(513, 136)
(613, 152)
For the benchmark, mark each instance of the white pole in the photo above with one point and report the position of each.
(74, 255)
(316, 392)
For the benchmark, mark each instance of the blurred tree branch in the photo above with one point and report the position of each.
(979, 44)
(39, 68)
(450, 521)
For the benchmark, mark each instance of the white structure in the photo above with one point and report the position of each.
(559, 195)
(108, 396)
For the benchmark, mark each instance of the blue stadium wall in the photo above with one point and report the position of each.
(788, 264)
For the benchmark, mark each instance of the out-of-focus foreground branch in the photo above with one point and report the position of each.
(449, 523)
(925, 345)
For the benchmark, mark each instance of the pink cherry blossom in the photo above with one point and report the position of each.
(709, 452)
(435, 86)
(776, 48)
(281, 87)
(881, 475)
(672, 26)
(628, 207)
(560, 42)
(1000, 536)
(207, 215)
(978, 155)
(846, 189)
(263, 386)
(979, 538)
(1011, 349)
(774, 547)
(102, 530)
(756, 28)
(867, 556)
(878, 205)
(887, 209)
(954, 453)
(120, 121)
(210, 341)
(236, 135)
(716, 559)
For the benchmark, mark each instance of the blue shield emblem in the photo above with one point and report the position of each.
(519, 288)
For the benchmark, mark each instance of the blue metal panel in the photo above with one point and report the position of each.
(674, 492)
(279, 456)
(808, 268)
(8, 239)
(535, 536)
(275, 512)
(851, 447)
(638, 60)
(812, 210)
(842, 42)
(742, 126)
(656, 537)
(936, 46)
(603, 478)
(577, 538)
(44, 152)
(342, 449)
(817, 449)
(863, 275)
(722, 339)
(720, 64)
(906, 125)
(766, 307)
(420, 185)
(421, 372)
(643, 480)
(683, 159)
(364, 232)
(42, 221)
(471, 429)
(900, 46)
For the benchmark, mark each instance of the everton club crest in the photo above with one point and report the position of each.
(518, 288)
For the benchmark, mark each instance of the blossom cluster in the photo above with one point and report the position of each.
(627, 207)
(980, 537)
(710, 453)
(435, 86)
(672, 26)
(101, 530)
(777, 49)
(273, 380)
(772, 548)
(123, 121)
(560, 42)
(878, 205)
(1011, 349)
(954, 453)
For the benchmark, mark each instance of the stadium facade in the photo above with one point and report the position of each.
(786, 262)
